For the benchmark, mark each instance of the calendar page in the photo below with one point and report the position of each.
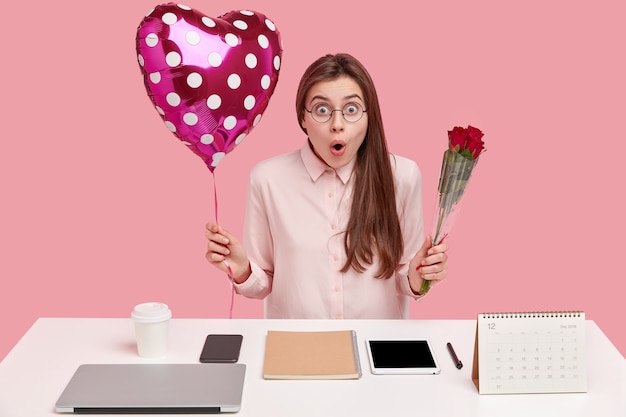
(530, 352)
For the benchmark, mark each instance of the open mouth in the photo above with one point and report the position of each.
(338, 148)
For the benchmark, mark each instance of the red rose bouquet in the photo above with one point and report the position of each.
(464, 148)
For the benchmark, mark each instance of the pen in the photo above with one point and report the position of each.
(455, 358)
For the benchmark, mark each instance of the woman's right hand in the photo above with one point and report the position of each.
(225, 251)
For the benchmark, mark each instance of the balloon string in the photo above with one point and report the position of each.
(230, 271)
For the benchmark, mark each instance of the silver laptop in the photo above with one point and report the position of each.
(154, 389)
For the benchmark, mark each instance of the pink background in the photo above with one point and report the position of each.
(103, 208)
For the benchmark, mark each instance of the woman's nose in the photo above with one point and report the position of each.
(337, 123)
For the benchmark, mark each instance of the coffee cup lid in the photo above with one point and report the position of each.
(151, 312)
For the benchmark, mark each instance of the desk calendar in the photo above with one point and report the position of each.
(530, 352)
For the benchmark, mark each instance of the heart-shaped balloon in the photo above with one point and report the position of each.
(210, 79)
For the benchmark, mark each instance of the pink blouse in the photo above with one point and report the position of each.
(297, 208)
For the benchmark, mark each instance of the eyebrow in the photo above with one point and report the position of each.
(323, 98)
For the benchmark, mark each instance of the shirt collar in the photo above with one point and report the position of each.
(316, 167)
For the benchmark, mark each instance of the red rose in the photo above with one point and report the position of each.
(474, 144)
(457, 138)
(459, 160)
(468, 142)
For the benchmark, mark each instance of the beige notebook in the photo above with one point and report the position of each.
(311, 355)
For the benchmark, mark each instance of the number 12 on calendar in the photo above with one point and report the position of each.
(530, 352)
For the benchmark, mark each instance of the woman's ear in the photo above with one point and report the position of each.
(302, 123)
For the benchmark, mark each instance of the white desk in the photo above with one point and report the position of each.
(35, 372)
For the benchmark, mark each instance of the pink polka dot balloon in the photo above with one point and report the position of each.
(210, 79)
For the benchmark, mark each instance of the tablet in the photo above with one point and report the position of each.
(401, 356)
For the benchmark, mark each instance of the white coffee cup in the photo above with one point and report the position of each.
(151, 328)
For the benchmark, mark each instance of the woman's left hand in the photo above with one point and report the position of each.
(429, 263)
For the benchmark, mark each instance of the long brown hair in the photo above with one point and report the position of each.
(373, 228)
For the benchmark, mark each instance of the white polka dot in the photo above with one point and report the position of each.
(263, 41)
(140, 59)
(183, 7)
(270, 25)
(230, 122)
(160, 110)
(257, 119)
(240, 138)
(276, 62)
(207, 139)
(152, 40)
(240, 24)
(249, 102)
(251, 61)
(155, 77)
(194, 80)
(217, 157)
(192, 37)
(190, 119)
(173, 59)
(265, 82)
(169, 18)
(214, 101)
(186, 143)
(208, 22)
(215, 59)
(170, 126)
(234, 81)
(231, 39)
(172, 99)
(150, 12)
(246, 12)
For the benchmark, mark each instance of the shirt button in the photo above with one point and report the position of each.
(333, 226)
(331, 195)
(335, 257)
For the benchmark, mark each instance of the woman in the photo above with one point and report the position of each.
(335, 229)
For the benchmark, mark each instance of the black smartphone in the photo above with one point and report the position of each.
(221, 348)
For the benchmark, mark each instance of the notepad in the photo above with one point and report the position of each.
(311, 355)
(530, 352)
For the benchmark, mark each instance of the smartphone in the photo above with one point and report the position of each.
(221, 348)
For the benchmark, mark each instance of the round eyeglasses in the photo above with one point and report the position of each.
(323, 112)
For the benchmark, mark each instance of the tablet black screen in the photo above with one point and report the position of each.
(401, 354)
